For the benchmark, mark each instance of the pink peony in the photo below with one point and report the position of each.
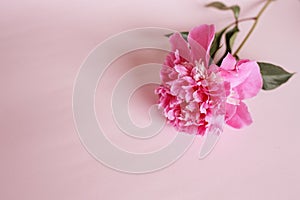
(193, 92)
(190, 91)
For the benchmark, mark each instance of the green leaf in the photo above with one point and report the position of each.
(215, 46)
(221, 6)
(273, 76)
(230, 38)
(183, 33)
(218, 5)
(236, 11)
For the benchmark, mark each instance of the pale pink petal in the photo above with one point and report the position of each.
(189, 79)
(241, 118)
(170, 115)
(168, 74)
(175, 87)
(169, 61)
(203, 108)
(192, 106)
(181, 70)
(200, 39)
(178, 43)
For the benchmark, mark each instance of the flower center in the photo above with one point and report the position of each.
(200, 71)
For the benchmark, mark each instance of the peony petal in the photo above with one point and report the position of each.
(231, 73)
(170, 115)
(253, 82)
(200, 39)
(170, 59)
(230, 111)
(244, 77)
(241, 117)
(168, 74)
(182, 71)
(228, 63)
(178, 43)
(203, 35)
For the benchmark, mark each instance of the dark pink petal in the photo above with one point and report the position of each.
(178, 43)
(241, 117)
(200, 39)
(230, 111)
(201, 130)
(199, 96)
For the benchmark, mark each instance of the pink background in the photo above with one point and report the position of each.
(43, 44)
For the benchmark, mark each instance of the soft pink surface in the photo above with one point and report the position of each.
(42, 45)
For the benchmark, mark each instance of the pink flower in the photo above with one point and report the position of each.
(193, 94)
(190, 90)
(243, 81)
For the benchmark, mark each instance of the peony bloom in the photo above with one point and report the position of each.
(193, 93)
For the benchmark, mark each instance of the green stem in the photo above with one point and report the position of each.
(240, 20)
(253, 26)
